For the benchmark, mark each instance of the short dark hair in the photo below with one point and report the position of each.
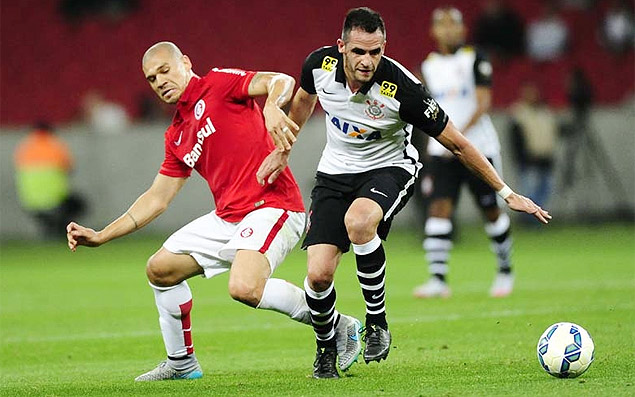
(362, 18)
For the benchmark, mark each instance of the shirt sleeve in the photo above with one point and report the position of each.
(172, 165)
(313, 61)
(482, 70)
(417, 107)
(231, 83)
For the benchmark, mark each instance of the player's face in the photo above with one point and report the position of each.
(362, 53)
(447, 31)
(167, 74)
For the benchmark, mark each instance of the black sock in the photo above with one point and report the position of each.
(323, 314)
(371, 273)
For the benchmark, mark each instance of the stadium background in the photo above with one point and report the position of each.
(50, 64)
(85, 323)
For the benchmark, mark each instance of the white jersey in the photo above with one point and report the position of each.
(452, 80)
(372, 128)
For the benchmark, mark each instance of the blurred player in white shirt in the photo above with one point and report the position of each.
(459, 79)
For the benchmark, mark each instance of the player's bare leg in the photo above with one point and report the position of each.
(498, 228)
(361, 220)
(167, 273)
(437, 246)
(250, 283)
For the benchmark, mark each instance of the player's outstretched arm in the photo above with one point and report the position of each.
(474, 160)
(278, 87)
(148, 206)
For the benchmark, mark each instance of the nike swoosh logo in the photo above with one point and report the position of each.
(327, 93)
(377, 296)
(177, 143)
(373, 190)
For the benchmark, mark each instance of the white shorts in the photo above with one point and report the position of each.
(213, 242)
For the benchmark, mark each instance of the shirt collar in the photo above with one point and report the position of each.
(340, 75)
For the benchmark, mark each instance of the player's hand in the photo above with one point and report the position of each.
(281, 128)
(523, 204)
(80, 235)
(272, 166)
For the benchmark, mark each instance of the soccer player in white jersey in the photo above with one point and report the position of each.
(367, 170)
(220, 131)
(459, 78)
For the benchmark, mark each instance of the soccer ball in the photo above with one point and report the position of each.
(565, 350)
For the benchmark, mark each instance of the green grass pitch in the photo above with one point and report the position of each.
(85, 323)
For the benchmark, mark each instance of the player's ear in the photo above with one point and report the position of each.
(340, 45)
(187, 62)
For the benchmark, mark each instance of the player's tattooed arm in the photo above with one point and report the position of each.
(474, 160)
(278, 87)
(146, 208)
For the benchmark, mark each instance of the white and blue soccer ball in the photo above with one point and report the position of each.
(565, 350)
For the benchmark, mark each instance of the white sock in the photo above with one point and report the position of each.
(174, 305)
(283, 297)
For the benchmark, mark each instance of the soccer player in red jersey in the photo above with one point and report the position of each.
(220, 131)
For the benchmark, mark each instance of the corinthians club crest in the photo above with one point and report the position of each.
(374, 109)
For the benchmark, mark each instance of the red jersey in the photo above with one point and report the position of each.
(219, 131)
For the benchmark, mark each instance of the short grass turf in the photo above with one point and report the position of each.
(84, 323)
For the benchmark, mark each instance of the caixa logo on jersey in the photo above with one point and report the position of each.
(192, 157)
(355, 131)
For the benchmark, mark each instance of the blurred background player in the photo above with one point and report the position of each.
(367, 171)
(534, 130)
(459, 78)
(43, 164)
(220, 131)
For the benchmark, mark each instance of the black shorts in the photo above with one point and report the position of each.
(444, 177)
(333, 194)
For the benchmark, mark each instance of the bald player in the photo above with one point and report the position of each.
(219, 130)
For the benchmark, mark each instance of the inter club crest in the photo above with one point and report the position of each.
(199, 109)
(374, 109)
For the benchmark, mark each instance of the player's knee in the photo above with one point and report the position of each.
(159, 273)
(319, 278)
(360, 226)
(245, 292)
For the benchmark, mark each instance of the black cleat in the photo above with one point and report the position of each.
(377, 343)
(324, 364)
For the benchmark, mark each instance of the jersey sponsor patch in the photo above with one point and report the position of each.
(329, 64)
(432, 111)
(192, 157)
(485, 68)
(388, 89)
(237, 72)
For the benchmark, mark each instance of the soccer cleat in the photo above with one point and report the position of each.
(377, 343)
(349, 341)
(324, 364)
(164, 372)
(503, 285)
(434, 288)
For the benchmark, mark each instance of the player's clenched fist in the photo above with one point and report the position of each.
(80, 235)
